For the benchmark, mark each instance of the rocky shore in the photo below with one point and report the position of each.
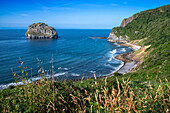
(133, 59)
(129, 59)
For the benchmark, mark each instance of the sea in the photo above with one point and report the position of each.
(73, 56)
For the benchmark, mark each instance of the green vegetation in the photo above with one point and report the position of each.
(153, 26)
(145, 90)
(90, 95)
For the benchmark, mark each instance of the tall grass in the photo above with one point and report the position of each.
(99, 96)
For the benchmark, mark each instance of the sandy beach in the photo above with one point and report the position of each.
(129, 63)
(133, 46)
(127, 67)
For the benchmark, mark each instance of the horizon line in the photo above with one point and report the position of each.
(56, 28)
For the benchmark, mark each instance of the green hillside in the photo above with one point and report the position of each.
(145, 90)
(154, 27)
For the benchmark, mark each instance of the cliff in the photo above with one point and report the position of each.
(148, 29)
(128, 20)
(41, 31)
(114, 38)
(136, 25)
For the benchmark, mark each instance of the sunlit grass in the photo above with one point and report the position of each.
(100, 95)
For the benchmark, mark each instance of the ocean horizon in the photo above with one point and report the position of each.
(75, 55)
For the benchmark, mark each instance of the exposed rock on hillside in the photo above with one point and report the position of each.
(41, 31)
(126, 21)
(113, 38)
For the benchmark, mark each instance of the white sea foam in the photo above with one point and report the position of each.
(61, 73)
(47, 76)
(112, 54)
(60, 68)
(122, 63)
(113, 51)
(108, 65)
(65, 69)
(74, 74)
(35, 78)
(4, 86)
(92, 71)
(110, 59)
(123, 49)
(117, 44)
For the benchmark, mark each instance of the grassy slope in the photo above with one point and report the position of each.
(92, 95)
(154, 25)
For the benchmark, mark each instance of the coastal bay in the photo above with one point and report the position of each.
(44, 69)
(74, 56)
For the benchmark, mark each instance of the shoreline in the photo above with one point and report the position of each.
(129, 63)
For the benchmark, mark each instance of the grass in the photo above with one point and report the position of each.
(153, 30)
(145, 90)
(113, 94)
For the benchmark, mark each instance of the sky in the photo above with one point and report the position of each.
(71, 14)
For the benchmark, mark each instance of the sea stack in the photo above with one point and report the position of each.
(41, 31)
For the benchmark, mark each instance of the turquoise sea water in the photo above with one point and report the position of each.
(75, 54)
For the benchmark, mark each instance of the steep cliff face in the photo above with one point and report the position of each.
(41, 31)
(113, 38)
(126, 21)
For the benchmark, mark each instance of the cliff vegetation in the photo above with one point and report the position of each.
(145, 90)
(152, 27)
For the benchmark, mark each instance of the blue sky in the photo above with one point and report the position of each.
(71, 14)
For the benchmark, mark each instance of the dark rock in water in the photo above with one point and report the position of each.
(98, 37)
(41, 31)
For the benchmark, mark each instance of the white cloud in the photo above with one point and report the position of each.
(24, 14)
(114, 4)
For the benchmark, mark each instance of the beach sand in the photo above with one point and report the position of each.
(127, 58)
(127, 67)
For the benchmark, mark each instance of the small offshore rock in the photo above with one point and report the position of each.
(41, 31)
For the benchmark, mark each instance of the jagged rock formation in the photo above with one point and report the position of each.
(113, 38)
(41, 31)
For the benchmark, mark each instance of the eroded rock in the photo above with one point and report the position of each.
(41, 31)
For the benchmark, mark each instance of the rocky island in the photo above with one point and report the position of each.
(41, 31)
